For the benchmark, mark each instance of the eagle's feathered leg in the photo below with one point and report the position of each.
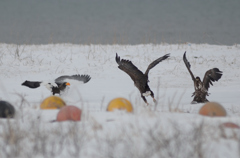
(144, 99)
(149, 91)
(200, 96)
(152, 95)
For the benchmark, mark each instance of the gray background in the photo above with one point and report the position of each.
(120, 21)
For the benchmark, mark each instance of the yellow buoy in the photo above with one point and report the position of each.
(120, 104)
(212, 109)
(52, 102)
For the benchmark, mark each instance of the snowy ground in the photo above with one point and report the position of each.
(172, 128)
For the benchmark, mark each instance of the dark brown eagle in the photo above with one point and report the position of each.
(201, 87)
(140, 80)
(59, 84)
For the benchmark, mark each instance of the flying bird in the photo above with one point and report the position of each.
(201, 87)
(59, 84)
(139, 78)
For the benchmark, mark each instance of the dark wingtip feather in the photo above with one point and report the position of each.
(86, 78)
(185, 60)
(184, 55)
(166, 56)
(24, 83)
(218, 74)
(117, 58)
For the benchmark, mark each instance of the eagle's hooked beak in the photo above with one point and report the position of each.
(68, 84)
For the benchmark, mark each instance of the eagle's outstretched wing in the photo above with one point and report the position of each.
(82, 78)
(155, 62)
(188, 66)
(128, 67)
(211, 75)
(31, 84)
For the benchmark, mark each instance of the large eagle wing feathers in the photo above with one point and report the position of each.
(155, 62)
(81, 78)
(188, 66)
(211, 75)
(128, 67)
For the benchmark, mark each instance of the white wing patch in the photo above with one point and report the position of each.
(48, 85)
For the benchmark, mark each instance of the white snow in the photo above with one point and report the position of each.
(171, 128)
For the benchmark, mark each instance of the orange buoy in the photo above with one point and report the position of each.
(212, 109)
(120, 104)
(52, 102)
(69, 112)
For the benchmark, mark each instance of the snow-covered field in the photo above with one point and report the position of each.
(171, 128)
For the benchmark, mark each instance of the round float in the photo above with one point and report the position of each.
(212, 109)
(69, 112)
(6, 110)
(120, 104)
(52, 102)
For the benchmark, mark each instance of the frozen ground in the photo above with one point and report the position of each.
(171, 128)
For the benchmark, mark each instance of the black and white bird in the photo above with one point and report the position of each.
(59, 85)
(201, 87)
(139, 78)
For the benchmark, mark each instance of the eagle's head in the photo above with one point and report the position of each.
(67, 83)
(63, 85)
(198, 79)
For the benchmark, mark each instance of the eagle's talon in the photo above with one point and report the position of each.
(154, 100)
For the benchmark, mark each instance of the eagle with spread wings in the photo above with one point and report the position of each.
(201, 87)
(139, 78)
(59, 84)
